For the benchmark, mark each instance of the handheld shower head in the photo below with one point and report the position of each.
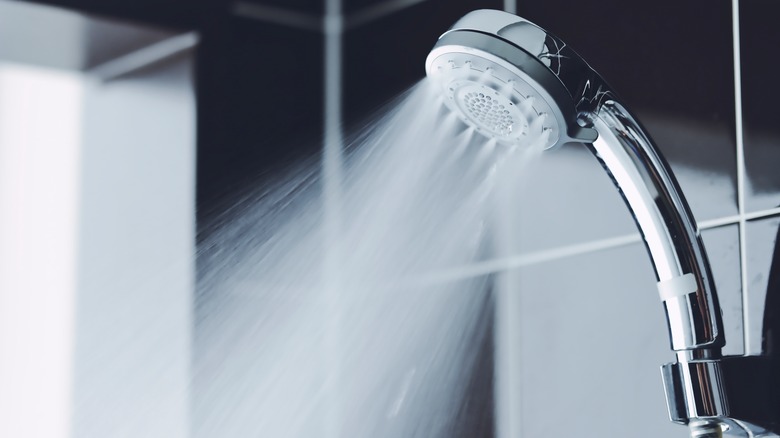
(513, 82)
(516, 83)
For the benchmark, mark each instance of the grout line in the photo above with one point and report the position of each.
(334, 137)
(719, 222)
(510, 6)
(737, 218)
(493, 266)
(314, 22)
(740, 173)
(762, 214)
(277, 15)
(497, 265)
(332, 176)
(143, 57)
(509, 365)
(377, 11)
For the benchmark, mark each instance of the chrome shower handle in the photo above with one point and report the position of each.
(710, 393)
(670, 234)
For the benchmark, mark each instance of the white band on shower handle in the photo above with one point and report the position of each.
(677, 287)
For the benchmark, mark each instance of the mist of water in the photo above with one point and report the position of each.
(285, 349)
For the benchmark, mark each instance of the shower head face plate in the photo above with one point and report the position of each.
(489, 110)
(497, 102)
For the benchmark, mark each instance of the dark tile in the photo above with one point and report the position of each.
(269, 8)
(763, 279)
(109, 39)
(259, 104)
(770, 341)
(385, 56)
(357, 8)
(350, 9)
(73, 41)
(672, 64)
(182, 14)
(352, 6)
(722, 245)
(650, 53)
(759, 39)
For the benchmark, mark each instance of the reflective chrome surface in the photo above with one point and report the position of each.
(700, 383)
(664, 219)
(711, 394)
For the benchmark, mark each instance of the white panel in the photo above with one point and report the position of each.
(137, 249)
(39, 165)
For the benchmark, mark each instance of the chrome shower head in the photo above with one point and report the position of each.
(513, 82)
(504, 76)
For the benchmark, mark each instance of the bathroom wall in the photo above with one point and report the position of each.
(579, 329)
(579, 332)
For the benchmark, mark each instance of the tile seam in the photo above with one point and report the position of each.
(378, 11)
(510, 6)
(740, 155)
(494, 266)
(332, 175)
(278, 15)
(316, 22)
(143, 57)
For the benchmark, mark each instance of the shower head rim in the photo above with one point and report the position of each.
(463, 43)
(572, 88)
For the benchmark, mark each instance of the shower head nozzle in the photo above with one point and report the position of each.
(510, 80)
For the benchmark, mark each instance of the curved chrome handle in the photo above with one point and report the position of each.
(670, 234)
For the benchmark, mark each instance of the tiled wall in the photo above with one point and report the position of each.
(579, 332)
(590, 333)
